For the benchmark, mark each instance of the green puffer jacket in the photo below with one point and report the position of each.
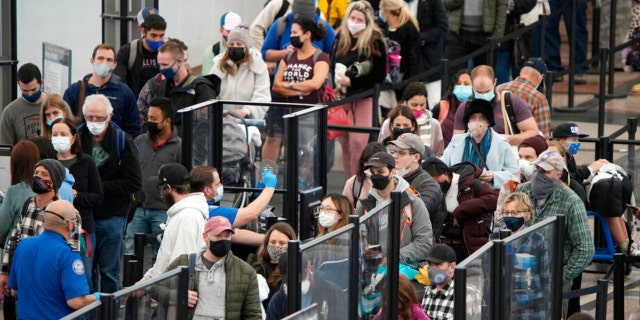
(242, 300)
(494, 13)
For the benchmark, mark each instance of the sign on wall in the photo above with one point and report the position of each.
(56, 68)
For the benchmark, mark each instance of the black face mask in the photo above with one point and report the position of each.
(295, 41)
(445, 186)
(41, 186)
(153, 129)
(236, 54)
(399, 131)
(220, 248)
(379, 182)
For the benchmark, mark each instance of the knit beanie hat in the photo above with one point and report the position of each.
(305, 9)
(479, 106)
(537, 142)
(56, 171)
(240, 33)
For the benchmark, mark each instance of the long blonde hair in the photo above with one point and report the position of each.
(396, 8)
(365, 43)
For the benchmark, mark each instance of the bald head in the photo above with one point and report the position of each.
(58, 214)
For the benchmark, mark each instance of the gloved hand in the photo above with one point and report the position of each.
(269, 179)
(97, 295)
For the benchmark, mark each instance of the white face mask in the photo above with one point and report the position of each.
(97, 128)
(326, 219)
(356, 27)
(403, 171)
(61, 144)
(102, 70)
(526, 167)
(304, 286)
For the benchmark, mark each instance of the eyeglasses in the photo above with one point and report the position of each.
(513, 213)
(96, 118)
(326, 209)
(60, 216)
(400, 152)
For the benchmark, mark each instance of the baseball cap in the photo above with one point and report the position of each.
(230, 20)
(409, 141)
(568, 129)
(173, 174)
(217, 224)
(536, 63)
(441, 253)
(144, 13)
(550, 160)
(380, 160)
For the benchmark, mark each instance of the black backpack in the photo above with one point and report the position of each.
(609, 191)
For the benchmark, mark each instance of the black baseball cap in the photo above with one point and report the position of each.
(173, 174)
(441, 253)
(567, 129)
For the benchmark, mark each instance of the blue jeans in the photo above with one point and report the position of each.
(552, 37)
(108, 251)
(145, 221)
(503, 66)
(88, 262)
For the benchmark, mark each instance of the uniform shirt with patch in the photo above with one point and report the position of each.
(229, 213)
(46, 274)
(299, 70)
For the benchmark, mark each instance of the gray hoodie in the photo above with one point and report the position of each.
(417, 238)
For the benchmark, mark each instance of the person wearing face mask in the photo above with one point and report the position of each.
(333, 214)
(459, 91)
(360, 40)
(53, 108)
(522, 126)
(549, 198)
(265, 261)
(567, 178)
(416, 237)
(568, 134)
(20, 119)
(482, 146)
(526, 87)
(357, 186)
(137, 67)
(87, 187)
(159, 145)
(48, 175)
(102, 80)
(228, 21)
(116, 157)
(467, 201)
(314, 288)
(243, 74)
(437, 301)
(408, 151)
(223, 286)
(186, 217)
(47, 274)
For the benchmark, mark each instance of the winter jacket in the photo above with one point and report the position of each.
(130, 76)
(378, 72)
(182, 233)
(494, 16)
(150, 163)
(432, 18)
(428, 190)
(120, 176)
(417, 238)
(125, 109)
(267, 269)
(476, 201)
(89, 187)
(408, 37)
(500, 158)
(241, 286)
(331, 301)
(250, 83)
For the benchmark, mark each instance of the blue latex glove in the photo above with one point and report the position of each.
(269, 179)
(97, 295)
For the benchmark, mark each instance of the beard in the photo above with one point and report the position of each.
(168, 200)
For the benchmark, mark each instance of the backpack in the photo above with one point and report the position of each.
(393, 62)
(283, 9)
(121, 138)
(609, 191)
(282, 22)
(133, 52)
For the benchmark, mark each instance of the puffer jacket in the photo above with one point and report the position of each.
(474, 205)
(494, 16)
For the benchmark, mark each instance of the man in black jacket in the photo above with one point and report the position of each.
(116, 157)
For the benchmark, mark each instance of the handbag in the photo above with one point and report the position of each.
(337, 115)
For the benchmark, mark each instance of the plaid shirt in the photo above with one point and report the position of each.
(578, 242)
(438, 304)
(536, 100)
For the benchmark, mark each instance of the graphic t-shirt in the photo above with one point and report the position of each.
(300, 70)
(149, 66)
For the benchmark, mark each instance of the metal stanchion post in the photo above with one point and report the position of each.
(618, 287)
(572, 56)
(601, 298)
(354, 267)
(293, 277)
(601, 90)
(612, 55)
(444, 84)
(393, 255)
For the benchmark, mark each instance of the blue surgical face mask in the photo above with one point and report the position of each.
(34, 96)
(380, 16)
(168, 72)
(50, 122)
(220, 191)
(154, 45)
(574, 147)
(485, 96)
(462, 93)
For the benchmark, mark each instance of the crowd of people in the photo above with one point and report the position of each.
(102, 162)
